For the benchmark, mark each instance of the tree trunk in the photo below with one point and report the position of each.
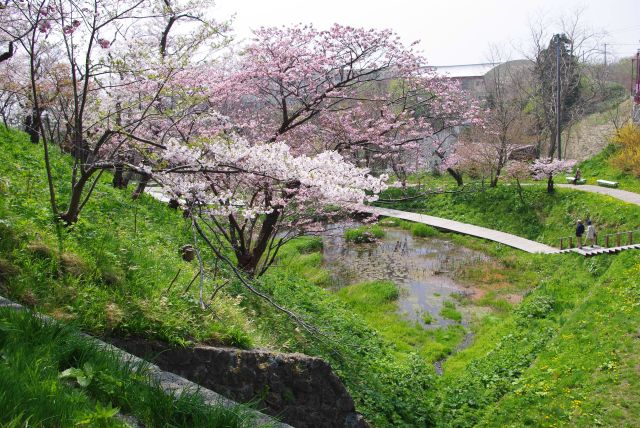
(519, 188)
(550, 184)
(456, 175)
(142, 184)
(118, 177)
(249, 259)
(32, 126)
(71, 215)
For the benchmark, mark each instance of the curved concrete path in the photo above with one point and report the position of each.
(465, 228)
(623, 195)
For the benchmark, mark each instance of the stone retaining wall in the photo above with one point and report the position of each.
(301, 390)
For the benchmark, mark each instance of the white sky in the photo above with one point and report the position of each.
(451, 31)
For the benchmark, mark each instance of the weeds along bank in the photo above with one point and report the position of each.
(113, 274)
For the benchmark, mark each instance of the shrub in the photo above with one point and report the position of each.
(426, 318)
(628, 158)
(535, 307)
(449, 311)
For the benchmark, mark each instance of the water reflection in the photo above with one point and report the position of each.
(422, 267)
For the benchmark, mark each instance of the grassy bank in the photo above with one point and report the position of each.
(51, 376)
(118, 272)
(549, 323)
(565, 355)
(113, 271)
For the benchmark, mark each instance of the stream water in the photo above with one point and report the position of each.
(422, 268)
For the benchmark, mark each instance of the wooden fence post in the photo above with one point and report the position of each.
(606, 241)
(562, 243)
(617, 239)
(630, 238)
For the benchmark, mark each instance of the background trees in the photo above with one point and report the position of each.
(100, 74)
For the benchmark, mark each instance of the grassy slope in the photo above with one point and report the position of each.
(478, 382)
(51, 376)
(111, 274)
(567, 355)
(112, 270)
(588, 374)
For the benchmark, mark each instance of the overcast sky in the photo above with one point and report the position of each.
(451, 31)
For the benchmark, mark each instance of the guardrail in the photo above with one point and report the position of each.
(617, 239)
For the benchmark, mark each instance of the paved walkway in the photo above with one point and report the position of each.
(465, 228)
(623, 195)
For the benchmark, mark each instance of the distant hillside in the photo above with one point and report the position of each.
(591, 134)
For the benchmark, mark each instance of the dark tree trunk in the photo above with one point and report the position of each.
(119, 181)
(550, 184)
(249, 259)
(32, 126)
(456, 175)
(71, 215)
(519, 188)
(127, 177)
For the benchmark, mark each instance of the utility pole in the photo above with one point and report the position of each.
(558, 90)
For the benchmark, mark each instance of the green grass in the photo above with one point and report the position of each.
(423, 230)
(112, 271)
(587, 375)
(111, 274)
(375, 302)
(568, 351)
(364, 234)
(449, 311)
(51, 376)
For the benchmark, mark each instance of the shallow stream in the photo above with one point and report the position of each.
(422, 267)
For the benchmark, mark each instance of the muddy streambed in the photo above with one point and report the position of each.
(422, 267)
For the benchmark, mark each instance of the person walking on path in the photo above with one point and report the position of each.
(591, 234)
(577, 177)
(579, 233)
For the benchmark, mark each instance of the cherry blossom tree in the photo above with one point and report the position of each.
(548, 168)
(252, 198)
(312, 112)
(359, 92)
(105, 71)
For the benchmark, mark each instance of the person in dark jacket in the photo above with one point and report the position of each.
(577, 177)
(579, 233)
